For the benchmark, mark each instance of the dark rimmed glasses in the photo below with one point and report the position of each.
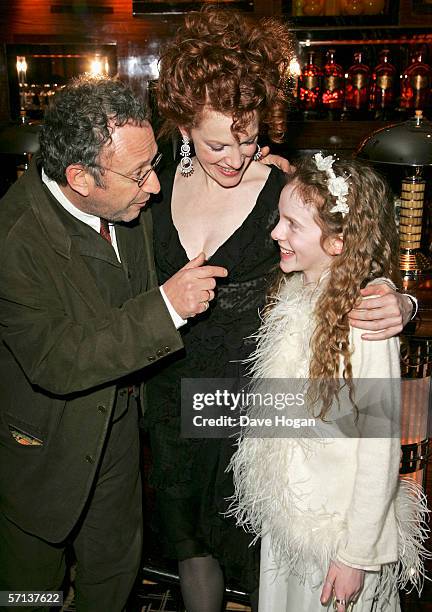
(141, 179)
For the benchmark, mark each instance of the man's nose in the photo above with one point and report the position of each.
(151, 185)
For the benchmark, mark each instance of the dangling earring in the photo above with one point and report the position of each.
(186, 165)
(258, 154)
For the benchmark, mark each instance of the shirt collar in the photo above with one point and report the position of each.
(54, 188)
(90, 220)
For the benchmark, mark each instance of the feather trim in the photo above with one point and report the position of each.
(413, 530)
(269, 503)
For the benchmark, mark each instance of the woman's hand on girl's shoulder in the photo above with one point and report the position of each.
(276, 160)
(342, 584)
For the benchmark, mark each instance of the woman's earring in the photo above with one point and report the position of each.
(258, 154)
(186, 165)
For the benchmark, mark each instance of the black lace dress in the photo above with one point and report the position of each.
(188, 474)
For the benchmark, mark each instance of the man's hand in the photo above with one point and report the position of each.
(343, 582)
(282, 163)
(387, 314)
(192, 287)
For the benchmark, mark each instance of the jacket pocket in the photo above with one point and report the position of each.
(23, 433)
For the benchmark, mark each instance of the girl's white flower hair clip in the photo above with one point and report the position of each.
(338, 186)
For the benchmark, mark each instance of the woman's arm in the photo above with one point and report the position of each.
(383, 316)
(367, 544)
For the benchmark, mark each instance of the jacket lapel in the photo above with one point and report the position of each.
(147, 229)
(50, 217)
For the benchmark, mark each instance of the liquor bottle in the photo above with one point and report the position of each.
(310, 84)
(333, 85)
(416, 82)
(382, 94)
(357, 85)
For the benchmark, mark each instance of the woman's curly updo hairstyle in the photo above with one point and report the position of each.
(220, 60)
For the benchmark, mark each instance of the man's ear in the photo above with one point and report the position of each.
(79, 179)
(334, 245)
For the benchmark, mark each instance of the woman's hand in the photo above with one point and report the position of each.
(342, 582)
(276, 160)
(386, 315)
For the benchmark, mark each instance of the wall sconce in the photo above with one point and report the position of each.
(99, 66)
(293, 73)
(294, 67)
(21, 65)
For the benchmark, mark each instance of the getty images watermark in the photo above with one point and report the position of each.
(219, 408)
(241, 402)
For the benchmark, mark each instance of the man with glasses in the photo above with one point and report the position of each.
(80, 317)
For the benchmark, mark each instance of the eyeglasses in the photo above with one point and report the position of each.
(141, 179)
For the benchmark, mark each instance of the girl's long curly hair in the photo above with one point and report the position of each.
(370, 250)
(219, 59)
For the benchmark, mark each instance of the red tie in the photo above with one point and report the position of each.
(104, 230)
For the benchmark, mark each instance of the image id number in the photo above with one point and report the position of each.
(23, 598)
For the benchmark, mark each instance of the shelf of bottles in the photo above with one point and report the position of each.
(34, 98)
(37, 72)
(342, 82)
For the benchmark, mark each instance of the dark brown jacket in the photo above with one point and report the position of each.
(63, 349)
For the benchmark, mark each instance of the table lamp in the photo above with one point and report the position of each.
(407, 144)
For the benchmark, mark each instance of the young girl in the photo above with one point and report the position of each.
(338, 527)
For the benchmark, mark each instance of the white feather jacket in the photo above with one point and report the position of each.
(323, 499)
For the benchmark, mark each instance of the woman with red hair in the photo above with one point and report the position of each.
(223, 81)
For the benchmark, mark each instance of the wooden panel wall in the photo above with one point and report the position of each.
(138, 39)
